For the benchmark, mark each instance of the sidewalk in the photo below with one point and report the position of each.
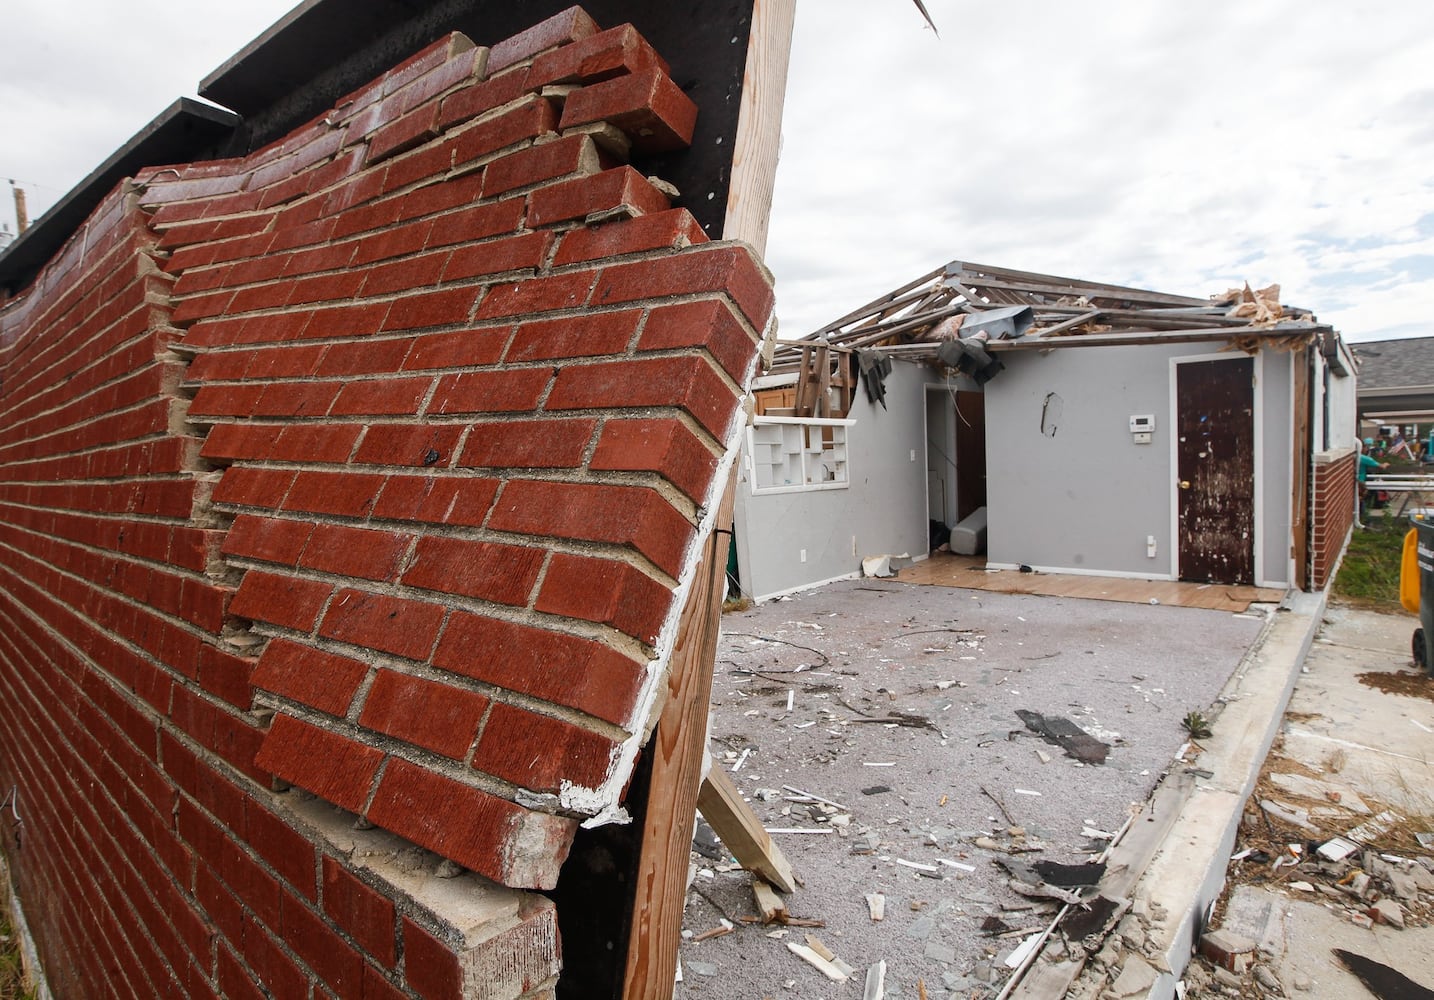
(1358, 731)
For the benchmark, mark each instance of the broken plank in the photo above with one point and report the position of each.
(817, 962)
(769, 905)
(732, 819)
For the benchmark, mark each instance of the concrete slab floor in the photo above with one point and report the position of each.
(1361, 719)
(898, 703)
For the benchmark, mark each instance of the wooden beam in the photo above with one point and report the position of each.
(759, 123)
(733, 820)
(676, 749)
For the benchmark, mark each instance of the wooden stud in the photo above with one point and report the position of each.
(676, 749)
(743, 834)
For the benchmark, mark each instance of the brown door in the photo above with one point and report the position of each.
(970, 453)
(1215, 451)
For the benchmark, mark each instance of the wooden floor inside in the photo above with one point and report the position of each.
(947, 570)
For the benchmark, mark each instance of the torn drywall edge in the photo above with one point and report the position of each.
(601, 804)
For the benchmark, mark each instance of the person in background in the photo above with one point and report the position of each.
(1364, 464)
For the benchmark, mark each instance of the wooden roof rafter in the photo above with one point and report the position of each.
(1067, 312)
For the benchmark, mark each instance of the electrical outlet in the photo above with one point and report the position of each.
(913, 454)
(1150, 546)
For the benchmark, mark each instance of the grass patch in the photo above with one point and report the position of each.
(12, 971)
(1369, 575)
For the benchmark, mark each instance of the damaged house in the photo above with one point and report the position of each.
(1059, 426)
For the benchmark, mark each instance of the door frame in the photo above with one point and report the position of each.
(1257, 429)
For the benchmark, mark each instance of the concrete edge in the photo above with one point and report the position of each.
(1187, 874)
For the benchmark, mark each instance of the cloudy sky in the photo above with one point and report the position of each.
(1175, 145)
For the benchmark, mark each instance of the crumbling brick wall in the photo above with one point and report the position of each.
(1333, 490)
(375, 463)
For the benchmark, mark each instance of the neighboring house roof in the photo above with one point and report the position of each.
(1395, 364)
(1021, 309)
(1396, 377)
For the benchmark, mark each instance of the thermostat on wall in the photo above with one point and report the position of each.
(1141, 426)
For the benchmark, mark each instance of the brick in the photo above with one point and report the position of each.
(471, 827)
(350, 494)
(400, 241)
(573, 155)
(586, 335)
(327, 764)
(538, 295)
(477, 223)
(523, 956)
(517, 253)
(570, 25)
(509, 391)
(409, 131)
(267, 539)
(481, 97)
(390, 624)
(381, 397)
(358, 552)
(673, 229)
(430, 964)
(527, 444)
(437, 717)
(688, 382)
(666, 447)
(615, 52)
(296, 399)
(437, 500)
(605, 592)
(459, 349)
(346, 321)
(570, 753)
(286, 850)
(449, 305)
(316, 678)
(425, 445)
(235, 981)
(227, 676)
(321, 948)
(365, 914)
(272, 968)
(651, 109)
(515, 126)
(563, 669)
(620, 515)
(618, 188)
(278, 443)
(710, 324)
(715, 267)
(365, 357)
(280, 600)
(489, 571)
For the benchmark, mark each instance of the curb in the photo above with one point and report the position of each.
(1187, 873)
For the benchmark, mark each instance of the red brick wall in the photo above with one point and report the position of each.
(1333, 493)
(374, 462)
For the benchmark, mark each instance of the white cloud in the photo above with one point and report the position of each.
(1186, 147)
(1182, 146)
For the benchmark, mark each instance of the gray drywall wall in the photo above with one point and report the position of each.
(883, 508)
(1087, 498)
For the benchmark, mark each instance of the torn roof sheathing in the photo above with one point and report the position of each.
(953, 301)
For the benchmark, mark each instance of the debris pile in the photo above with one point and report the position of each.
(1318, 841)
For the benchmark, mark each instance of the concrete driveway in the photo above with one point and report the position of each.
(879, 721)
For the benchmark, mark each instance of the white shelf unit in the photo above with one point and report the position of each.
(787, 454)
